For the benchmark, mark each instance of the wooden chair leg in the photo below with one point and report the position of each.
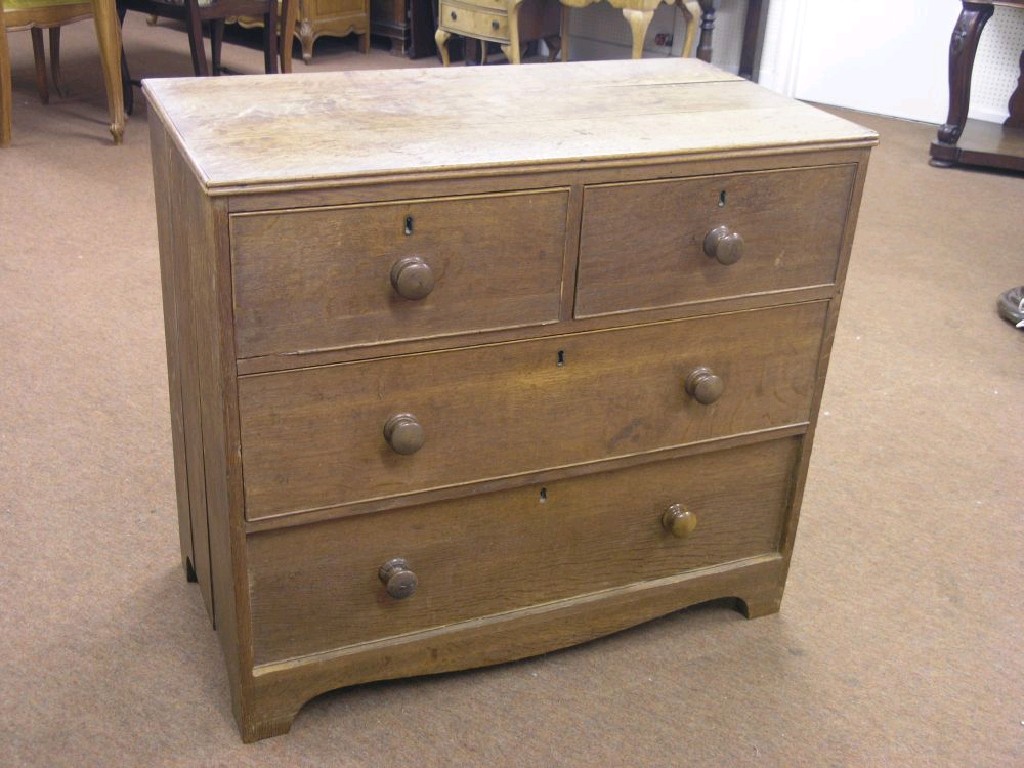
(270, 21)
(216, 44)
(5, 87)
(691, 15)
(194, 28)
(564, 30)
(290, 9)
(58, 84)
(40, 57)
(108, 38)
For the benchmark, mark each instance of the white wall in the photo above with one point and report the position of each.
(885, 57)
(890, 57)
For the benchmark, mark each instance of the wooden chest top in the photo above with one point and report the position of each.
(270, 132)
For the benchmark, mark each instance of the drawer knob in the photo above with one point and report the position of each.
(495, 25)
(404, 433)
(679, 521)
(723, 245)
(412, 278)
(397, 578)
(455, 16)
(704, 386)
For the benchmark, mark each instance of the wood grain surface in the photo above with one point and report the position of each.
(642, 243)
(314, 438)
(313, 591)
(262, 131)
(319, 279)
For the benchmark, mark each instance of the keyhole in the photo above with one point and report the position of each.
(408, 225)
(561, 358)
(721, 199)
(543, 495)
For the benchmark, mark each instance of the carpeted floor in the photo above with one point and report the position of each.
(900, 638)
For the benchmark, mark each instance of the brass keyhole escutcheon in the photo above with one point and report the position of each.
(679, 521)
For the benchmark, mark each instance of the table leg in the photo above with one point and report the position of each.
(963, 45)
(708, 8)
(753, 38)
(108, 35)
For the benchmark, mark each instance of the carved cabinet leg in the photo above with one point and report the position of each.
(639, 21)
(963, 45)
(441, 39)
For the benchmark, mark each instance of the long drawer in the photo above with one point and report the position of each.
(366, 430)
(672, 242)
(329, 278)
(318, 587)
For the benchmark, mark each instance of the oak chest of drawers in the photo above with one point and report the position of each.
(447, 398)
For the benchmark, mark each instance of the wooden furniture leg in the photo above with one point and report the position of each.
(5, 84)
(290, 11)
(108, 35)
(512, 50)
(39, 54)
(963, 46)
(55, 78)
(564, 27)
(441, 39)
(1016, 105)
(691, 14)
(639, 21)
(708, 10)
(753, 38)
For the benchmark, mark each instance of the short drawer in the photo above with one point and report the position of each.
(330, 278)
(340, 434)
(479, 22)
(317, 587)
(667, 243)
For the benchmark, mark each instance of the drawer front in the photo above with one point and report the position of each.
(474, 22)
(331, 278)
(317, 587)
(643, 244)
(315, 438)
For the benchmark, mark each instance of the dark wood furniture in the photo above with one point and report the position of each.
(214, 15)
(974, 142)
(408, 25)
(444, 397)
(753, 34)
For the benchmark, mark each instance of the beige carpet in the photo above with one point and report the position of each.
(900, 638)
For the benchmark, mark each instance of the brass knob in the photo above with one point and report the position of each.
(723, 245)
(404, 433)
(412, 278)
(704, 386)
(679, 521)
(397, 578)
